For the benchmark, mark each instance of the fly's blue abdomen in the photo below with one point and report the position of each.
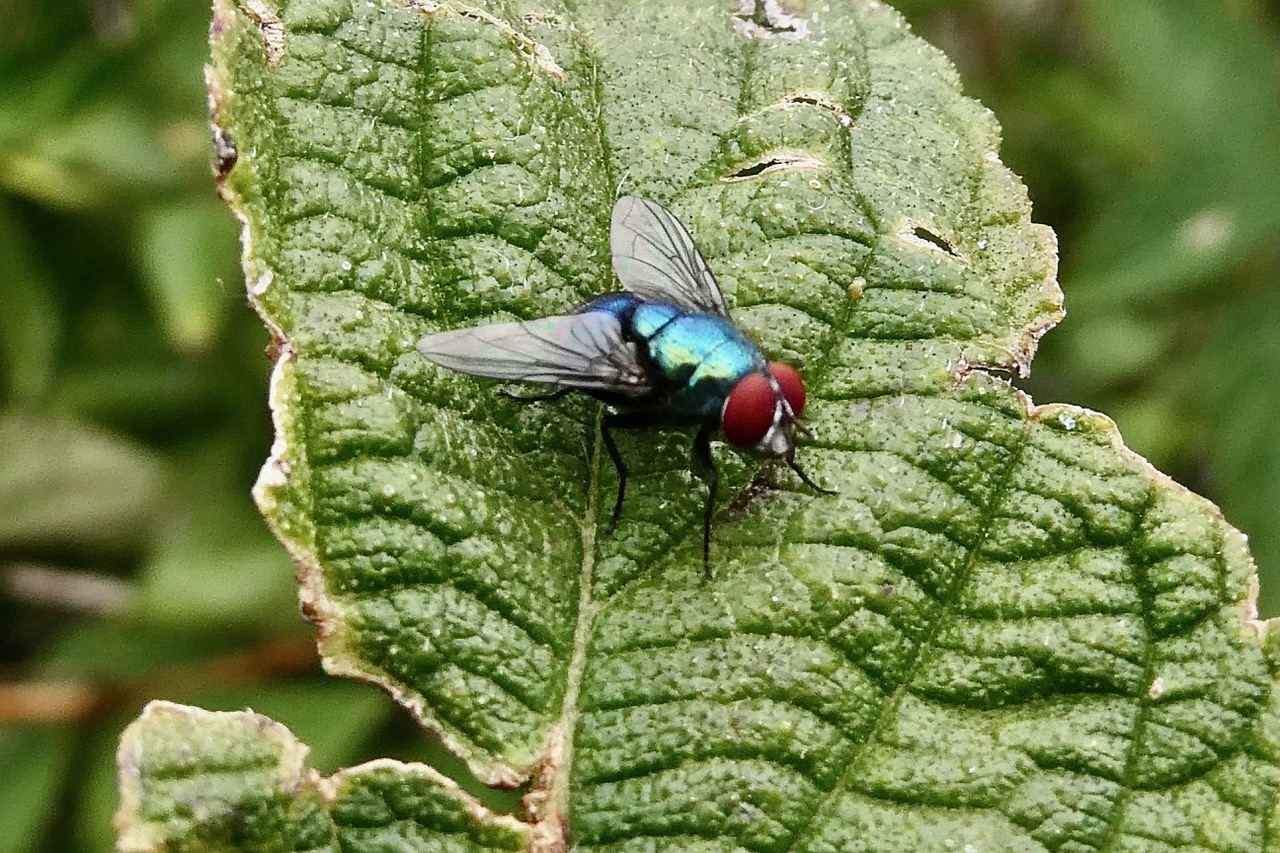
(619, 305)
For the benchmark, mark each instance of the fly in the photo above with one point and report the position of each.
(664, 351)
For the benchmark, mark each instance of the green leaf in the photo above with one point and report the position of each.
(70, 486)
(308, 708)
(35, 761)
(219, 569)
(1246, 452)
(184, 251)
(1204, 189)
(88, 160)
(30, 327)
(263, 798)
(1007, 632)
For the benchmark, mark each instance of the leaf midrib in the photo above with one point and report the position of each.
(588, 606)
(562, 733)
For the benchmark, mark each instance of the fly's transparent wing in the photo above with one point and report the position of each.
(656, 258)
(582, 351)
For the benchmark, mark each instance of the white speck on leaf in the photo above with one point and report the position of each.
(262, 282)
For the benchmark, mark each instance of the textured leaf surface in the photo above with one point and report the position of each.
(210, 780)
(1006, 633)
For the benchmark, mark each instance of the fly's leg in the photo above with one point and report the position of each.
(534, 398)
(795, 466)
(620, 420)
(620, 467)
(705, 466)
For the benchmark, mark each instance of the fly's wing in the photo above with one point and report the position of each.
(582, 351)
(656, 258)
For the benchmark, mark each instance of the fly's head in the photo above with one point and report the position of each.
(760, 412)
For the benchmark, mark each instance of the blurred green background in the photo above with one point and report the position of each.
(133, 375)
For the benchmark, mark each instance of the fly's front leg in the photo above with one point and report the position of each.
(795, 466)
(705, 466)
(620, 420)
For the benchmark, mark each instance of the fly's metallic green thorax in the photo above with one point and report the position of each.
(696, 359)
(706, 357)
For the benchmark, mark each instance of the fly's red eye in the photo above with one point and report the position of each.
(791, 384)
(748, 411)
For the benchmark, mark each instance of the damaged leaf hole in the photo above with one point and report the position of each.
(929, 237)
(924, 237)
(776, 163)
(809, 100)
